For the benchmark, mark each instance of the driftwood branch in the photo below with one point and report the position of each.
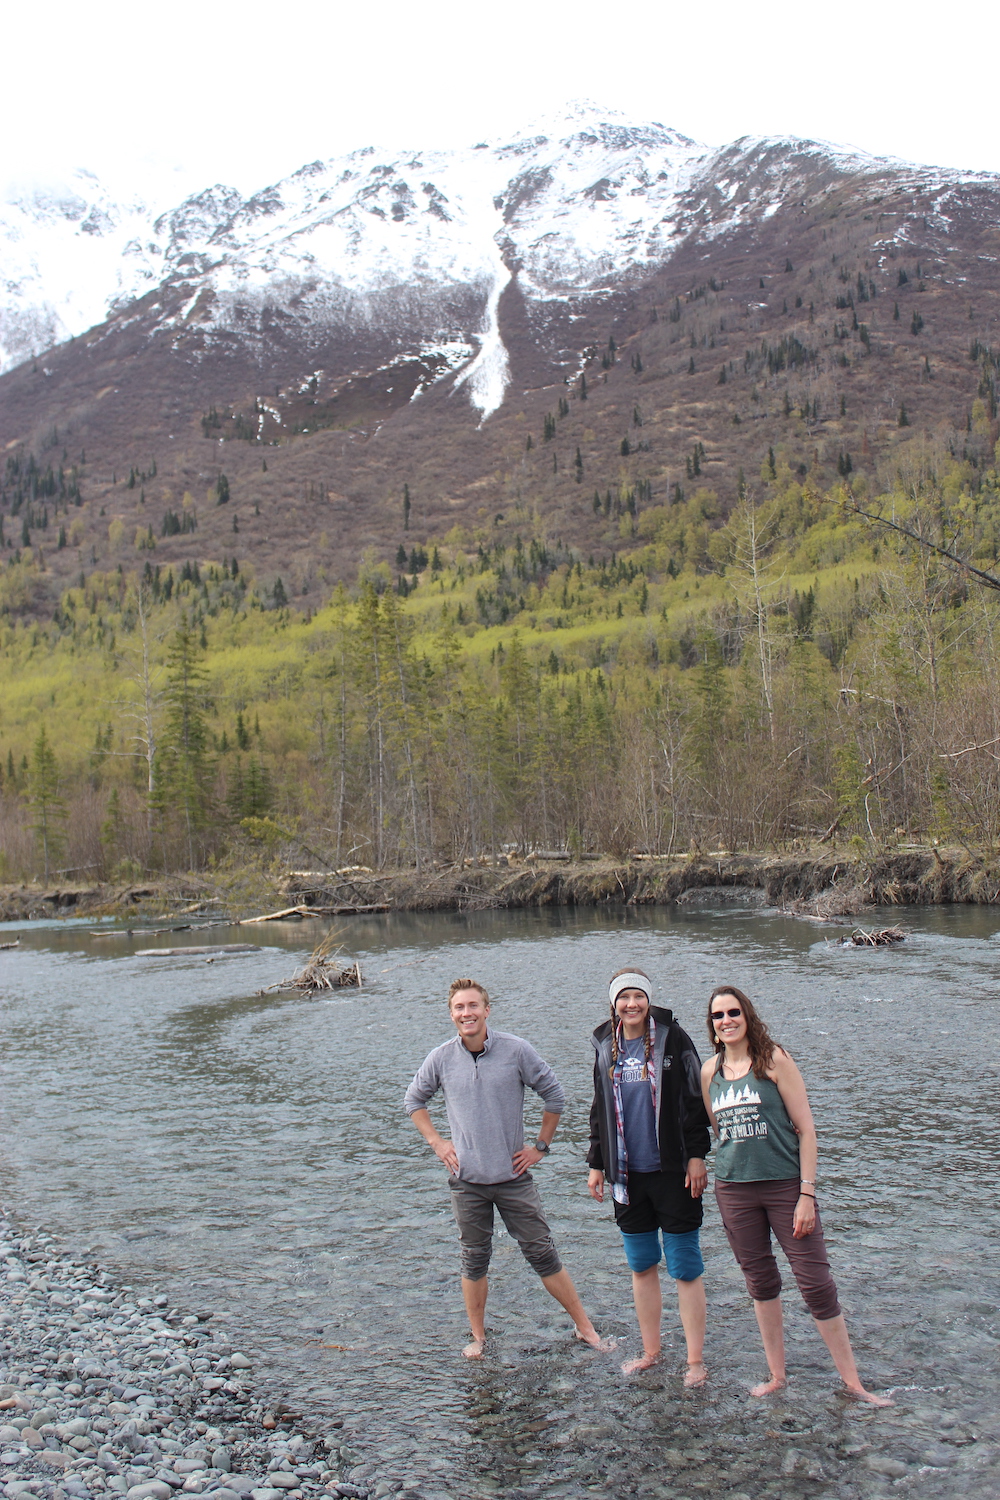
(313, 911)
(118, 932)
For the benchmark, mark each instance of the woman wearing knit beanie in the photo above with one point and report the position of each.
(649, 1137)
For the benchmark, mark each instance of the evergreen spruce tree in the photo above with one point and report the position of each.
(48, 810)
(182, 783)
(711, 704)
(250, 792)
(112, 829)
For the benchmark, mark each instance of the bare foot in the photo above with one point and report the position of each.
(858, 1393)
(593, 1338)
(768, 1387)
(475, 1350)
(644, 1362)
(696, 1373)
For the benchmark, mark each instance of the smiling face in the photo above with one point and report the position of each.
(632, 1007)
(727, 1018)
(469, 1011)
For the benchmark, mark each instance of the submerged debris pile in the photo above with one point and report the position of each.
(879, 937)
(322, 972)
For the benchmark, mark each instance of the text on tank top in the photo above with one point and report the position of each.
(757, 1140)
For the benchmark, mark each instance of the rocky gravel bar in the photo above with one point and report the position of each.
(105, 1393)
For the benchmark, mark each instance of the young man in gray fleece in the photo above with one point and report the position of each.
(483, 1074)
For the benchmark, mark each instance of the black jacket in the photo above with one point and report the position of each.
(681, 1119)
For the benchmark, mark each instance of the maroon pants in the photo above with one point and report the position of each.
(750, 1211)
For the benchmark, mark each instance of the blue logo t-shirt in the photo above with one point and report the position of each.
(638, 1115)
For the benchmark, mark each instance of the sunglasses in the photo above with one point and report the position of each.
(717, 1015)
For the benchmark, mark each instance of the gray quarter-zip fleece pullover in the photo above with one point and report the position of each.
(484, 1098)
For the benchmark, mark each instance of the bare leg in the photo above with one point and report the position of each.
(833, 1332)
(474, 1293)
(772, 1332)
(691, 1305)
(560, 1286)
(648, 1300)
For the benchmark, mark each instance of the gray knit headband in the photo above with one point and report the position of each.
(629, 982)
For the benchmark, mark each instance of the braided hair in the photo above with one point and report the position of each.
(617, 1026)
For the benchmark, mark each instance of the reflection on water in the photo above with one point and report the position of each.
(249, 1153)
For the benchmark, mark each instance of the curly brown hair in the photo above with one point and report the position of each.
(759, 1040)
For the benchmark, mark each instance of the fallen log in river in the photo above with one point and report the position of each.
(291, 913)
(185, 952)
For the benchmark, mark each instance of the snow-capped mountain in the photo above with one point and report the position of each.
(419, 247)
(596, 313)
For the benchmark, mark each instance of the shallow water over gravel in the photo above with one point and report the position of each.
(250, 1154)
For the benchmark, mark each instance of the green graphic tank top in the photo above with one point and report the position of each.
(757, 1140)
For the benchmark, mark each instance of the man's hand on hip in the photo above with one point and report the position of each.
(526, 1158)
(445, 1151)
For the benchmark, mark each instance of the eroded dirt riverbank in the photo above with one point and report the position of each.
(825, 883)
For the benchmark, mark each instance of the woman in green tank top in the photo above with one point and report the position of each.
(765, 1181)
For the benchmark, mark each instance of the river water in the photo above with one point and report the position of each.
(249, 1155)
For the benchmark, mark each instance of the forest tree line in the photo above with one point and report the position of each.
(785, 674)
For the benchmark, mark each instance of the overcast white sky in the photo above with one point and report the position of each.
(175, 97)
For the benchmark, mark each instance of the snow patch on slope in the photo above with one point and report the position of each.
(62, 259)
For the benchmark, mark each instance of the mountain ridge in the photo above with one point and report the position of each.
(519, 334)
(203, 232)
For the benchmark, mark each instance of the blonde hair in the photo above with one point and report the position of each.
(466, 984)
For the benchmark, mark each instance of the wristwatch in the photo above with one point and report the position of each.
(543, 1147)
